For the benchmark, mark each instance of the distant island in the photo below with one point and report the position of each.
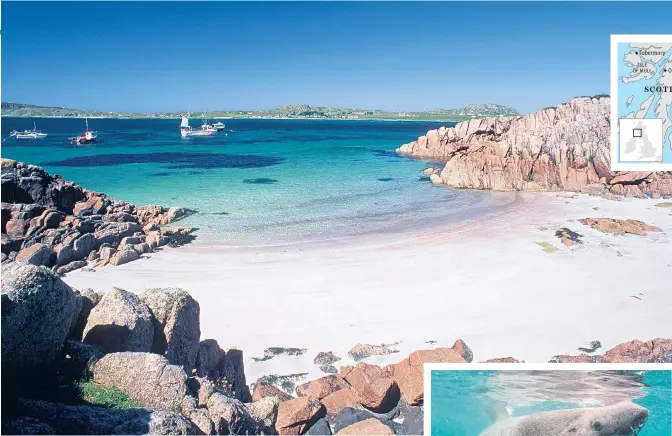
(295, 111)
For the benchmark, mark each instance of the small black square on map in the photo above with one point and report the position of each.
(636, 133)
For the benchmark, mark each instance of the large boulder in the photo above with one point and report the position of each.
(214, 363)
(321, 387)
(264, 412)
(125, 255)
(67, 419)
(409, 372)
(298, 415)
(375, 389)
(210, 359)
(38, 309)
(370, 426)
(176, 325)
(230, 416)
(339, 400)
(37, 254)
(120, 322)
(147, 378)
(198, 416)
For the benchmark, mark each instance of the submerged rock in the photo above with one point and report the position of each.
(362, 351)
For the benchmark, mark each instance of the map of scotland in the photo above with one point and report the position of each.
(643, 102)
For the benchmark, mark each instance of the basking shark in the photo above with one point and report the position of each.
(621, 419)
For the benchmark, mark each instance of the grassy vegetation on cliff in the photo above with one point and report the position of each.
(106, 397)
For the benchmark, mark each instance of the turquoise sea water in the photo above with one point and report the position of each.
(260, 182)
(467, 402)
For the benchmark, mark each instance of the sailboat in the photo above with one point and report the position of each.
(89, 136)
(186, 130)
(28, 134)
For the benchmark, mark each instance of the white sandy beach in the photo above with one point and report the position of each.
(486, 282)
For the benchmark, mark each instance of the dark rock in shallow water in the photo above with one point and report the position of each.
(423, 178)
(172, 160)
(329, 369)
(325, 358)
(260, 181)
(591, 347)
(385, 179)
(271, 352)
(320, 428)
(387, 153)
(287, 383)
(221, 213)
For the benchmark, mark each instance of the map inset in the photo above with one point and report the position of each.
(644, 101)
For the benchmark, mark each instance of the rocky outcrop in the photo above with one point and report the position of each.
(565, 148)
(176, 325)
(55, 223)
(296, 416)
(66, 419)
(120, 322)
(375, 389)
(619, 227)
(224, 367)
(146, 378)
(38, 310)
(657, 350)
(363, 398)
(409, 372)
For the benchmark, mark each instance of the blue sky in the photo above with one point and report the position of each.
(168, 56)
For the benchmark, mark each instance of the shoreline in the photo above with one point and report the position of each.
(254, 118)
(426, 286)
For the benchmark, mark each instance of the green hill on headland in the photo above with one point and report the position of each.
(295, 111)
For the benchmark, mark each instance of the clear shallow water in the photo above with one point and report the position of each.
(467, 402)
(264, 182)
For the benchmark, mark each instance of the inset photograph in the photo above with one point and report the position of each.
(581, 402)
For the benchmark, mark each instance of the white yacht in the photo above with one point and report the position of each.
(28, 134)
(219, 126)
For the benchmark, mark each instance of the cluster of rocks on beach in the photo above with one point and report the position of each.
(55, 223)
(149, 347)
(565, 148)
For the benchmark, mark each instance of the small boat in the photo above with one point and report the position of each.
(186, 130)
(89, 137)
(219, 126)
(28, 134)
